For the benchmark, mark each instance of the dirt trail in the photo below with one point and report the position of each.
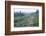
(30, 20)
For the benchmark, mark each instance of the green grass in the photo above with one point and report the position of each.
(23, 21)
(36, 21)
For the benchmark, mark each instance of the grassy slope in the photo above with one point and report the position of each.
(26, 21)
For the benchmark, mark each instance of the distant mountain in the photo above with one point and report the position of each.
(26, 14)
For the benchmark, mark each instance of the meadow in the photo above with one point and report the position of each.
(26, 19)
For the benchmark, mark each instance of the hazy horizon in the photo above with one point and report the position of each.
(25, 10)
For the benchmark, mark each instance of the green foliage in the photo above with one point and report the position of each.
(36, 21)
(26, 20)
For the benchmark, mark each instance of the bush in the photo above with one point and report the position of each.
(36, 21)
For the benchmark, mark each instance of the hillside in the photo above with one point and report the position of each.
(26, 19)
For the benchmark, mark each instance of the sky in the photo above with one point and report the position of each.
(25, 10)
